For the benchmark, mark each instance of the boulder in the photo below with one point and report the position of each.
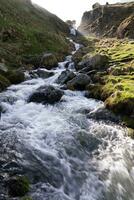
(79, 82)
(15, 77)
(42, 73)
(97, 62)
(103, 114)
(47, 60)
(65, 76)
(46, 95)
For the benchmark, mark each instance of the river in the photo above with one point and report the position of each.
(66, 155)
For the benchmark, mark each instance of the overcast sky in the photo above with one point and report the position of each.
(69, 9)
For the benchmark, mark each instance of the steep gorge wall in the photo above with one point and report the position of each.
(109, 20)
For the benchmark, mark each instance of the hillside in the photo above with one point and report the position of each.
(109, 57)
(26, 29)
(109, 20)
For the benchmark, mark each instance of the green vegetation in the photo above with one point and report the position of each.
(18, 186)
(4, 83)
(26, 29)
(116, 87)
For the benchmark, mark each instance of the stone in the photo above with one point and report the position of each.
(41, 73)
(103, 114)
(65, 76)
(79, 82)
(15, 77)
(96, 62)
(46, 95)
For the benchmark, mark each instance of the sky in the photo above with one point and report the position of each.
(70, 9)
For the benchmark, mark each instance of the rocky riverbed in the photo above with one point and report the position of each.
(55, 143)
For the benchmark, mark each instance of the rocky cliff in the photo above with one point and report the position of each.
(109, 20)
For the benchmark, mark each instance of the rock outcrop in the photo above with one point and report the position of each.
(109, 20)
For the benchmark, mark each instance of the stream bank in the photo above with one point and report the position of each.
(66, 152)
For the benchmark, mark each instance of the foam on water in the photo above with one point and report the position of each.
(71, 156)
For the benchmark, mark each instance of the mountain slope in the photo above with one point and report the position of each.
(26, 29)
(109, 20)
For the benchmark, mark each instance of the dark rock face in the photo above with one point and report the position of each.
(79, 82)
(125, 29)
(105, 20)
(46, 95)
(65, 76)
(18, 186)
(15, 77)
(41, 73)
(4, 83)
(103, 114)
(96, 62)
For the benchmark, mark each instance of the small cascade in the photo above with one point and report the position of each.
(66, 155)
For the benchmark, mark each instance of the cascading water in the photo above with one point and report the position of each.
(65, 155)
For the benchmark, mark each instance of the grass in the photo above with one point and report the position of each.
(26, 29)
(116, 88)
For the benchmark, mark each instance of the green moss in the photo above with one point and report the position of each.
(4, 83)
(15, 77)
(26, 29)
(117, 87)
(18, 186)
(131, 132)
(129, 121)
(94, 90)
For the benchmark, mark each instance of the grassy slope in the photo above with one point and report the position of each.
(116, 87)
(27, 29)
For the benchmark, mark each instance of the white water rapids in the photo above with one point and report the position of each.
(65, 155)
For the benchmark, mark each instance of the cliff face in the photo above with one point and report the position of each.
(109, 20)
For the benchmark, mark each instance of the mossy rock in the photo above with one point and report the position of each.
(18, 186)
(4, 83)
(131, 132)
(15, 77)
(94, 91)
(129, 121)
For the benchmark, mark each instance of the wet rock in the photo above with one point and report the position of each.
(97, 62)
(4, 83)
(103, 114)
(10, 165)
(41, 73)
(94, 91)
(79, 82)
(87, 71)
(15, 77)
(46, 95)
(65, 76)
(18, 186)
(88, 141)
